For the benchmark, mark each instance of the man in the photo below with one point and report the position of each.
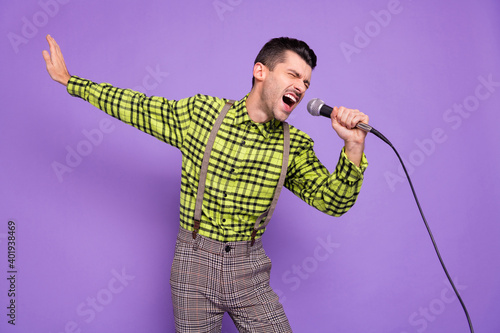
(235, 158)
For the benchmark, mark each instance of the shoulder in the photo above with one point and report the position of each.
(207, 103)
(204, 109)
(300, 140)
(200, 105)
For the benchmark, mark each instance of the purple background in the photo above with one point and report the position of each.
(116, 212)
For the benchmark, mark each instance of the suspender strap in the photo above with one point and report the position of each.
(269, 213)
(204, 166)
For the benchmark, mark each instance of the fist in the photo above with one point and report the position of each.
(344, 122)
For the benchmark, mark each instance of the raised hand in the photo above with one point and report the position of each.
(55, 62)
(344, 122)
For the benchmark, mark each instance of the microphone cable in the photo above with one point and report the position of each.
(383, 138)
(317, 107)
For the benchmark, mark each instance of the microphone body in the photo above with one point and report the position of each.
(317, 107)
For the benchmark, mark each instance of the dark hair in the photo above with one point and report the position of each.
(273, 52)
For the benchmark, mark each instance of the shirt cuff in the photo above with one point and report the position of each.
(350, 171)
(77, 86)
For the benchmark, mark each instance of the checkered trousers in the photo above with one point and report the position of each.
(209, 278)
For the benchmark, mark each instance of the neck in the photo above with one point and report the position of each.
(256, 108)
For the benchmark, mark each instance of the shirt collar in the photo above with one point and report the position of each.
(240, 116)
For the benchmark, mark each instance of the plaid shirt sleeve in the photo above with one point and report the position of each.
(167, 120)
(333, 194)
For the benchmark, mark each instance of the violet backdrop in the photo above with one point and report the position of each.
(96, 202)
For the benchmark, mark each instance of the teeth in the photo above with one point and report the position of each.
(291, 97)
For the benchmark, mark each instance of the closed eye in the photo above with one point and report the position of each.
(297, 75)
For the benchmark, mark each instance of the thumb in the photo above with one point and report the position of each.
(46, 57)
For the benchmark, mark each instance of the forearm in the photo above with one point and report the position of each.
(153, 115)
(116, 102)
(333, 194)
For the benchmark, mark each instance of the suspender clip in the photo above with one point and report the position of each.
(254, 233)
(196, 228)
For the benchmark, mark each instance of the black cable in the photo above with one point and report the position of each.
(383, 138)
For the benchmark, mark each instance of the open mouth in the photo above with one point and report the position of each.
(290, 100)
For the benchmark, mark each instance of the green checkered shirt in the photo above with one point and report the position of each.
(245, 162)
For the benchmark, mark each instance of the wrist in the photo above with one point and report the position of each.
(354, 146)
(354, 151)
(65, 79)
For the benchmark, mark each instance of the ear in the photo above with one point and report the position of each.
(260, 71)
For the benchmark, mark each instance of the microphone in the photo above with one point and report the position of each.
(317, 107)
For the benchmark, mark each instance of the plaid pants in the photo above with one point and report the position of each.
(209, 278)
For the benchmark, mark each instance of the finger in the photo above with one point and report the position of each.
(335, 110)
(365, 119)
(352, 119)
(56, 47)
(360, 117)
(52, 46)
(362, 120)
(51, 49)
(343, 116)
(349, 118)
(46, 57)
(56, 54)
(333, 116)
(337, 113)
(55, 51)
(60, 57)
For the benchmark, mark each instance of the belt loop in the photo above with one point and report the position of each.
(196, 243)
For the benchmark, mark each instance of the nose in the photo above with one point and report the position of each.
(300, 86)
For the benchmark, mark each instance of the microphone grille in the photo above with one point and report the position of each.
(314, 106)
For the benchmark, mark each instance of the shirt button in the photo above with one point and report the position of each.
(228, 248)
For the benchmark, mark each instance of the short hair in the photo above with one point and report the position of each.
(273, 52)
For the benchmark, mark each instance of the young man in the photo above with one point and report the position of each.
(236, 157)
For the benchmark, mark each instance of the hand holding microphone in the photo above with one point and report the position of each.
(343, 119)
(346, 117)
